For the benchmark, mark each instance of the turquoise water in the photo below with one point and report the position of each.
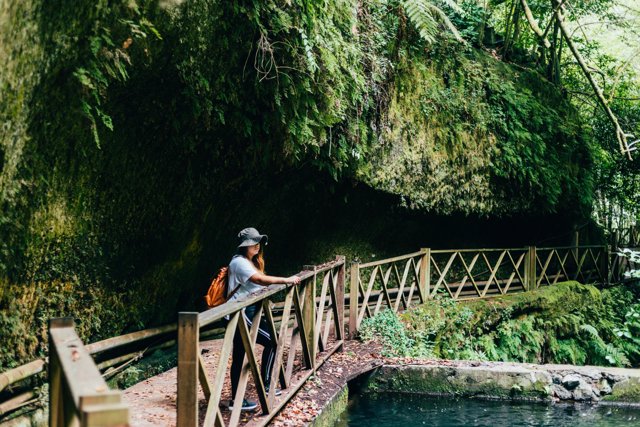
(407, 410)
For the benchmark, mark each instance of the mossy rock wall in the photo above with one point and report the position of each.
(136, 141)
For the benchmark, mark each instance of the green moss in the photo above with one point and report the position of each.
(331, 412)
(627, 391)
(196, 123)
(461, 125)
(564, 323)
(466, 382)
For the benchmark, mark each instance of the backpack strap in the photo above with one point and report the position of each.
(234, 291)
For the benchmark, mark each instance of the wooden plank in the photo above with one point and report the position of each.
(221, 370)
(415, 283)
(302, 328)
(246, 365)
(425, 275)
(402, 282)
(56, 408)
(354, 279)
(442, 274)
(279, 337)
(293, 349)
(469, 268)
(203, 379)
(390, 260)
(495, 269)
(255, 370)
(188, 352)
(265, 419)
(20, 373)
(338, 300)
(103, 415)
(543, 271)
(516, 268)
(18, 401)
(384, 283)
(320, 311)
(562, 268)
(115, 342)
(327, 327)
(366, 306)
(79, 373)
(367, 293)
(309, 317)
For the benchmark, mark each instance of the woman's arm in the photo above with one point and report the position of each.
(265, 280)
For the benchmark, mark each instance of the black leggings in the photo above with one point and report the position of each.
(268, 355)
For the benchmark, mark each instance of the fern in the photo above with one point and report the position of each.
(429, 19)
(615, 356)
(590, 330)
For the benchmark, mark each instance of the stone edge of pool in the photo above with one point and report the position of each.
(494, 380)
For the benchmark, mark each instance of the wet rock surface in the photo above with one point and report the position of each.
(512, 381)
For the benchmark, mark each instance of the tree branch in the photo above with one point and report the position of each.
(620, 134)
(533, 24)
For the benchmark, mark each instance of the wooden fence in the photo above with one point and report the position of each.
(467, 274)
(307, 321)
(310, 331)
(78, 395)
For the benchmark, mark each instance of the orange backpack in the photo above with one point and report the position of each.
(217, 293)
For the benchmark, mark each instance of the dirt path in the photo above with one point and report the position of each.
(153, 401)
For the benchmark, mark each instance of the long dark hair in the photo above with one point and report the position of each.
(258, 259)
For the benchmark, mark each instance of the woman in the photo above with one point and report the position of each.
(246, 275)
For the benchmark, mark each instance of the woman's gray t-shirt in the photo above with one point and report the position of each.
(240, 270)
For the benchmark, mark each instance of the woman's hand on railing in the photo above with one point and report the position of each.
(293, 280)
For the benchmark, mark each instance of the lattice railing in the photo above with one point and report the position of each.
(478, 273)
(309, 331)
(587, 264)
(394, 283)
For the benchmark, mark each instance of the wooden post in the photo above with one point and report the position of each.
(530, 269)
(309, 318)
(425, 274)
(353, 299)
(105, 409)
(57, 416)
(340, 299)
(188, 337)
(607, 264)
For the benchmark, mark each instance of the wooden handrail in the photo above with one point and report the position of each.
(316, 327)
(78, 393)
(390, 260)
(218, 313)
(448, 251)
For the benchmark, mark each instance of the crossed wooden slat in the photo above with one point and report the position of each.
(291, 337)
(385, 275)
(505, 259)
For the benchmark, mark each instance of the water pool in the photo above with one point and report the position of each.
(407, 410)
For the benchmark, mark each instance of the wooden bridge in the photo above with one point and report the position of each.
(309, 321)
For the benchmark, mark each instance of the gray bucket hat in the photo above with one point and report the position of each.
(250, 236)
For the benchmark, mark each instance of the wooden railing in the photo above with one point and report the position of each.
(380, 284)
(396, 283)
(310, 330)
(307, 333)
(587, 264)
(78, 393)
